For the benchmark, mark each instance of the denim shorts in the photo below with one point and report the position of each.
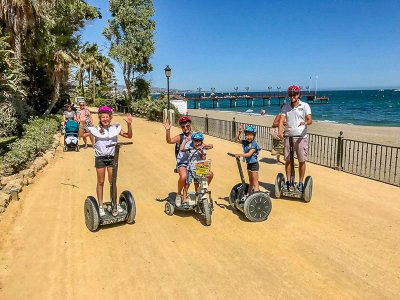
(253, 167)
(190, 177)
(103, 161)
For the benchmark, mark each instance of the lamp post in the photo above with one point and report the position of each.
(269, 89)
(167, 71)
(199, 89)
(308, 88)
(115, 91)
(300, 87)
(279, 90)
(247, 89)
(236, 89)
(212, 91)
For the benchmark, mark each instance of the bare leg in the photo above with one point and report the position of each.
(250, 182)
(302, 170)
(100, 184)
(92, 140)
(210, 177)
(85, 141)
(109, 173)
(182, 182)
(287, 168)
(255, 181)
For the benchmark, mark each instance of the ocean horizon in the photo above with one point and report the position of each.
(354, 107)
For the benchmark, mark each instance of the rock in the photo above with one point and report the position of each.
(39, 163)
(18, 183)
(2, 209)
(48, 156)
(28, 173)
(5, 180)
(30, 180)
(4, 200)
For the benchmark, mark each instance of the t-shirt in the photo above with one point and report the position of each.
(247, 147)
(184, 156)
(109, 137)
(69, 115)
(294, 116)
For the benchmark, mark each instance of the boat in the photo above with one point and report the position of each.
(381, 90)
(396, 90)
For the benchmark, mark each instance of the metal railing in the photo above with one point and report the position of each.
(374, 161)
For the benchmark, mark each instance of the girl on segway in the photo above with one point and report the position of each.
(192, 150)
(104, 134)
(250, 154)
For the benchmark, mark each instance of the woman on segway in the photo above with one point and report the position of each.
(104, 134)
(250, 154)
(192, 150)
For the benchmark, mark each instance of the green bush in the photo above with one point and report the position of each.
(37, 138)
(151, 109)
(101, 102)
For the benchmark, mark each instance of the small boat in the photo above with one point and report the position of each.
(381, 90)
(396, 90)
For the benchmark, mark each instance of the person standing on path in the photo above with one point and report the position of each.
(297, 114)
(83, 112)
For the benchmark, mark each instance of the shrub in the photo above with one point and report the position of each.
(101, 102)
(37, 138)
(151, 109)
(13, 113)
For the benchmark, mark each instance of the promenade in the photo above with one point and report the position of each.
(344, 244)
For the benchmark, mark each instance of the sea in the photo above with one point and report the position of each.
(355, 107)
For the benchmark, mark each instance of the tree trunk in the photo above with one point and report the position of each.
(94, 88)
(81, 82)
(55, 95)
(127, 79)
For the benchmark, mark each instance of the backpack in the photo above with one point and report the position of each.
(177, 146)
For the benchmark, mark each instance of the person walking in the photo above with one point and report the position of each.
(298, 116)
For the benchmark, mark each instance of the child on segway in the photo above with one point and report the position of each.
(250, 155)
(104, 135)
(192, 150)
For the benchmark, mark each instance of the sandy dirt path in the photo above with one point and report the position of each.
(344, 244)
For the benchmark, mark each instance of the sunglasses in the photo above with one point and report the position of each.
(185, 126)
(292, 94)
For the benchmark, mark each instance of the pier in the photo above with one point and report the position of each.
(310, 97)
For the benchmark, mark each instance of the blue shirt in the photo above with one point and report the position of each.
(246, 149)
(194, 155)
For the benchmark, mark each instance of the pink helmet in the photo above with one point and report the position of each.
(293, 88)
(105, 109)
(184, 119)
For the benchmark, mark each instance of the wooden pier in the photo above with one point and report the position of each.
(250, 99)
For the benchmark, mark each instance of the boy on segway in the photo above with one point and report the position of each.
(192, 150)
(297, 114)
(250, 154)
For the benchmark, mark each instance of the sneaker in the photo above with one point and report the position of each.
(300, 187)
(178, 200)
(102, 212)
(120, 209)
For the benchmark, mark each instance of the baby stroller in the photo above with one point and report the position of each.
(71, 136)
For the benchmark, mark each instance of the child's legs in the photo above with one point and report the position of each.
(109, 172)
(210, 177)
(255, 181)
(249, 173)
(85, 140)
(100, 184)
(92, 140)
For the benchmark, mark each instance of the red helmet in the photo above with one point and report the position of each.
(184, 119)
(293, 88)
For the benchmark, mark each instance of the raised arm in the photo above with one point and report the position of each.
(237, 138)
(128, 121)
(168, 138)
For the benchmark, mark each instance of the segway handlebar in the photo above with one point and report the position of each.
(293, 136)
(120, 143)
(231, 154)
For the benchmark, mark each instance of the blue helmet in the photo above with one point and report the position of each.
(250, 128)
(197, 136)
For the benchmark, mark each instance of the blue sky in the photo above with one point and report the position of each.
(259, 43)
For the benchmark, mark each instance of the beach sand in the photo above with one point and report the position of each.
(344, 244)
(373, 134)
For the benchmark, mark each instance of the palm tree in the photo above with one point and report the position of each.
(19, 16)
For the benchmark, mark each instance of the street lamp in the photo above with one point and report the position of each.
(199, 89)
(247, 88)
(308, 88)
(269, 89)
(236, 89)
(279, 90)
(212, 91)
(115, 91)
(167, 74)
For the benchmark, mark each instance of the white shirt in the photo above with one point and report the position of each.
(294, 116)
(109, 137)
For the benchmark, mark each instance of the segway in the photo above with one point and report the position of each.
(199, 201)
(91, 208)
(256, 206)
(281, 189)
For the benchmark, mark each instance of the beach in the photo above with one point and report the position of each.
(373, 134)
(344, 244)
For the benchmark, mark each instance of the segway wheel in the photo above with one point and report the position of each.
(65, 148)
(279, 182)
(257, 207)
(169, 208)
(127, 202)
(233, 196)
(308, 185)
(77, 148)
(91, 211)
(207, 213)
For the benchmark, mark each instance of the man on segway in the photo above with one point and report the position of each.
(185, 124)
(297, 114)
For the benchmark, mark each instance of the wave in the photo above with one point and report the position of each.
(327, 121)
